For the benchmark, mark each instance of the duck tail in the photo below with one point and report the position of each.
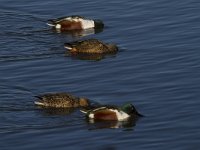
(51, 22)
(84, 111)
(51, 25)
(38, 97)
(68, 46)
(38, 103)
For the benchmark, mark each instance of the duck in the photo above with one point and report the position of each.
(74, 22)
(112, 113)
(61, 100)
(91, 46)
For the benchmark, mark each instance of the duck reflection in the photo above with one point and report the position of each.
(84, 56)
(81, 32)
(99, 124)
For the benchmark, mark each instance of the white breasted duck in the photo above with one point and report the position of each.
(61, 100)
(112, 113)
(74, 23)
(91, 46)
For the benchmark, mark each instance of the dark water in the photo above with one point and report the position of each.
(157, 69)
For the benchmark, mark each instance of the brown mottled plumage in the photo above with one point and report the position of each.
(91, 46)
(61, 100)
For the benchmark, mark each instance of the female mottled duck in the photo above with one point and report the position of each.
(91, 46)
(61, 100)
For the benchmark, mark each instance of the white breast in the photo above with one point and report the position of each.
(121, 115)
(86, 24)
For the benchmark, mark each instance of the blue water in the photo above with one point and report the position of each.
(157, 69)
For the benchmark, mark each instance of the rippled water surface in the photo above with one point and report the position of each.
(157, 69)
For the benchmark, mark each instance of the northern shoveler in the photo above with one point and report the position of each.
(74, 23)
(61, 100)
(112, 113)
(91, 46)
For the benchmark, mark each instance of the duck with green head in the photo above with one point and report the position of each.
(112, 113)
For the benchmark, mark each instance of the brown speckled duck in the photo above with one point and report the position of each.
(91, 46)
(74, 23)
(61, 100)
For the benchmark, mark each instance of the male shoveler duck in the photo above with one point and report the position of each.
(91, 46)
(61, 100)
(112, 113)
(74, 23)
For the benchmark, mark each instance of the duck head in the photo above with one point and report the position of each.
(84, 102)
(130, 110)
(112, 48)
(98, 24)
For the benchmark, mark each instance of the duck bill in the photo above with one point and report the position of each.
(139, 115)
